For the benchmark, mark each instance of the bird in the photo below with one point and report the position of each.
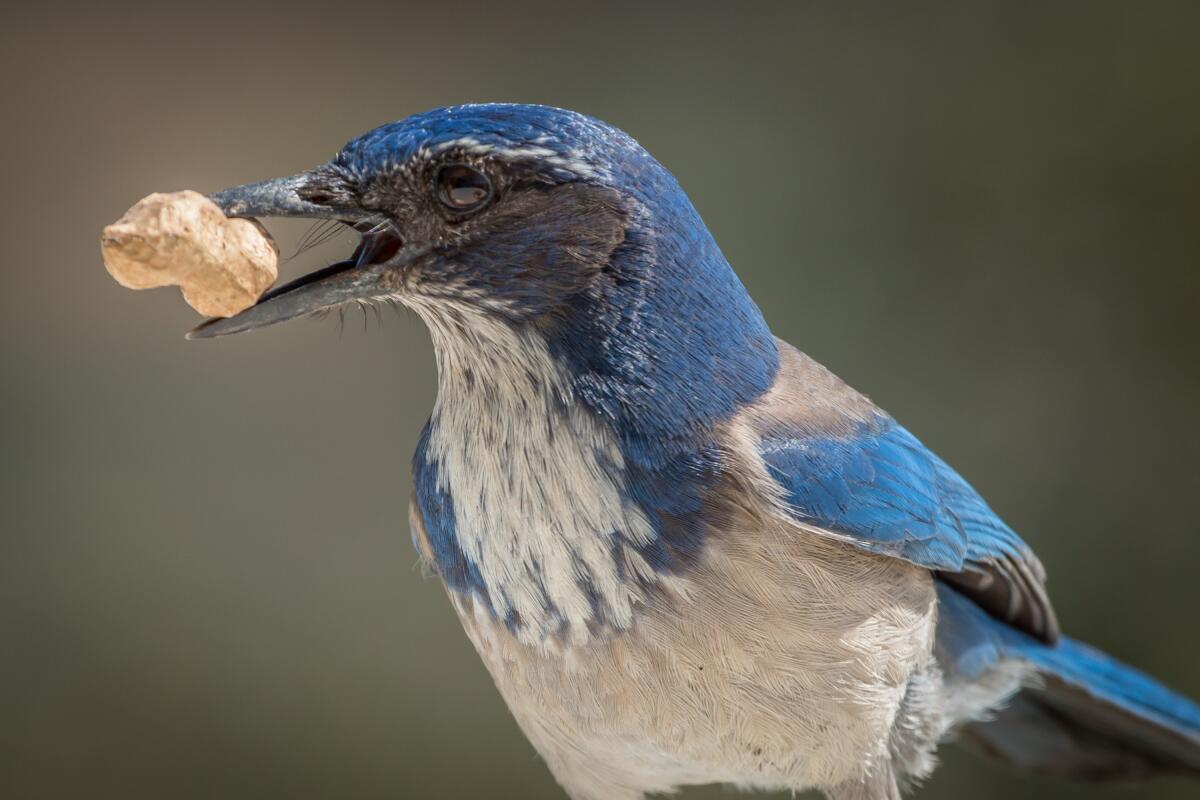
(685, 551)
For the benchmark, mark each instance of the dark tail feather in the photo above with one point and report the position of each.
(1091, 717)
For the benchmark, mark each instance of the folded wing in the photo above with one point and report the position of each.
(861, 477)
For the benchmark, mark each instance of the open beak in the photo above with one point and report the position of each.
(356, 278)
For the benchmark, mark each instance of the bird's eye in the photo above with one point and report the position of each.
(462, 188)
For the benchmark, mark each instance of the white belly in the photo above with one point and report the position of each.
(784, 666)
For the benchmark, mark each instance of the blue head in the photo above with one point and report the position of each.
(544, 220)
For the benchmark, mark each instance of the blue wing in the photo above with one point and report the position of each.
(875, 485)
(850, 471)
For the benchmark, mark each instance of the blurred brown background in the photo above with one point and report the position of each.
(986, 215)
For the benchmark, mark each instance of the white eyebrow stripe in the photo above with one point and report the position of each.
(465, 141)
(571, 162)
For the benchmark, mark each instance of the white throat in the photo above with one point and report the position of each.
(534, 480)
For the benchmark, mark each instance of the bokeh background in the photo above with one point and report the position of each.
(985, 215)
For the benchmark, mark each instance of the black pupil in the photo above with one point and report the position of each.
(463, 187)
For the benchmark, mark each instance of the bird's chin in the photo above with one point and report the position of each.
(359, 277)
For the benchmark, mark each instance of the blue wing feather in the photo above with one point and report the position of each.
(882, 489)
(848, 470)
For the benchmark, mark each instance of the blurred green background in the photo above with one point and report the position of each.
(985, 215)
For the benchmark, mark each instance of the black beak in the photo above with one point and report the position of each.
(357, 278)
(285, 197)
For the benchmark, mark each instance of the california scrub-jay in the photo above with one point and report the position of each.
(686, 552)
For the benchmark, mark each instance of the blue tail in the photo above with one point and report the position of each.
(1090, 717)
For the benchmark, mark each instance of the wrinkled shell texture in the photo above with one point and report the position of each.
(182, 239)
